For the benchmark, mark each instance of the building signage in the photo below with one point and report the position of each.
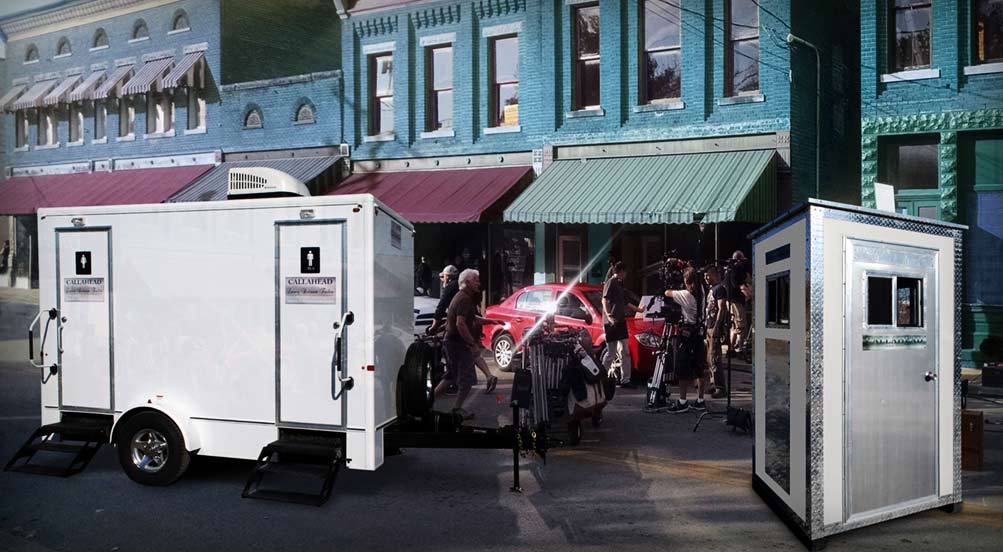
(310, 260)
(83, 262)
(311, 290)
(83, 290)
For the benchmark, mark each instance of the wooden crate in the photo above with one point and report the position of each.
(972, 443)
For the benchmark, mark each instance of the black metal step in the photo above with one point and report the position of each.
(303, 458)
(87, 436)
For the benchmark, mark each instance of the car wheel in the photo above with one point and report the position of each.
(151, 449)
(503, 349)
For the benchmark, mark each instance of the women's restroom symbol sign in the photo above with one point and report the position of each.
(309, 260)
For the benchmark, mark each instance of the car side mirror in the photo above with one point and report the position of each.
(588, 317)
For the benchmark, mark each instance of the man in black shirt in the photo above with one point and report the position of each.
(461, 340)
(736, 276)
(715, 313)
(449, 288)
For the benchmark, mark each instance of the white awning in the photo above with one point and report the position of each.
(11, 95)
(147, 77)
(33, 97)
(59, 92)
(86, 88)
(182, 71)
(115, 79)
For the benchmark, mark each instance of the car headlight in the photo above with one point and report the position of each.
(647, 339)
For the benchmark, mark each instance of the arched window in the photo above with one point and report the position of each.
(100, 39)
(253, 118)
(304, 114)
(139, 30)
(180, 21)
(31, 54)
(63, 47)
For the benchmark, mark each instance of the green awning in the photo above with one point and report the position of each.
(665, 189)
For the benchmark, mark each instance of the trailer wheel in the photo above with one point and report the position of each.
(416, 376)
(151, 449)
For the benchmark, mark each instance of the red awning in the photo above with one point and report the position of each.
(24, 195)
(456, 195)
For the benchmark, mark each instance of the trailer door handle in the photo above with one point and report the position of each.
(930, 376)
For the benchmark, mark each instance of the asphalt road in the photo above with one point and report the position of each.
(641, 482)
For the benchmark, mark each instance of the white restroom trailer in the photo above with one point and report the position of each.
(857, 367)
(223, 319)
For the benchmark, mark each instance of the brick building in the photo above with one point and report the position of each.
(645, 106)
(932, 126)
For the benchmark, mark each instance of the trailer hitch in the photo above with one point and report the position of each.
(54, 368)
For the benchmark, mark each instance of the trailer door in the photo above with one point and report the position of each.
(891, 372)
(309, 290)
(84, 295)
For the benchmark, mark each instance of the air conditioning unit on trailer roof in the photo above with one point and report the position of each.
(263, 181)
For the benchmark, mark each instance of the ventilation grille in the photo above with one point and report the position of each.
(242, 181)
(260, 181)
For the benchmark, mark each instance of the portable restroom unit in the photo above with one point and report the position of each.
(857, 367)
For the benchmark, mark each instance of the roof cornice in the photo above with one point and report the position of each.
(63, 16)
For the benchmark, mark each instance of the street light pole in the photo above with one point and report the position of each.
(791, 39)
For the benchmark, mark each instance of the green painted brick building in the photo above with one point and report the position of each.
(932, 126)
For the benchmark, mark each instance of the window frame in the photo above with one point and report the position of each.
(94, 40)
(431, 92)
(136, 27)
(974, 37)
(579, 60)
(893, 35)
(897, 141)
(28, 58)
(730, 51)
(126, 119)
(22, 129)
(374, 119)
(161, 106)
(893, 277)
(643, 84)
(545, 305)
(494, 95)
(63, 43)
(47, 133)
(180, 15)
(299, 119)
(100, 114)
(778, 301)
(75, 124)
(247, 117)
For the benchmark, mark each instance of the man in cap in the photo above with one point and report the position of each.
(449, 288)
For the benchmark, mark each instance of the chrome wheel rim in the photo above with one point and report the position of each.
(149, 450)
(503, 352)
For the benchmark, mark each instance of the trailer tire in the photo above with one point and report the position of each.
(151, 449)
(416, 376)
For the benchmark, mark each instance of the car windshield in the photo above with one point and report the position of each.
(595, 299)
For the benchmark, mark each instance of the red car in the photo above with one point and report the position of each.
(580, 307)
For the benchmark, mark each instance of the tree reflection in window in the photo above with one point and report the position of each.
(662, 58)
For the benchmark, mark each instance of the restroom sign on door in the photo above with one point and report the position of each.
(309, 260)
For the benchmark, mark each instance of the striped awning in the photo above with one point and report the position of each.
(116, 78)
(146, 77)
(11, 95)
(180, 71)
(86, 88)
(737, 186)
(59, 92)
(33, 97)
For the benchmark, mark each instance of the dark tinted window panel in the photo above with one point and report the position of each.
(879, 301)
(661, 24)
(588, 83)
(987, 36)
(664, 75)
(909, 302)
(744, 67)
(909, 165)
(911, 47)
(587, 27)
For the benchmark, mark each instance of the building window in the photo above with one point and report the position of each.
(439, 96)
(63, 48)
(253, 119)
(742, 60)
(586, 71)
(76, 124)
(100, 117)
(180, 22)
(159, 113)
(304, 114)
(46, 127)
(31, 54)
(100, 39)
(910, 34)
(505, 81)
(381, 94)
(140, 31)
(196, 109)
(21, 122)
(908, 163)
(126, 118)
(988, 35)
(662, 66)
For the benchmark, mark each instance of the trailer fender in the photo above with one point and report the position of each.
(176, 414)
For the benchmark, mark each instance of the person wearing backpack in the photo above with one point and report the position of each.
(690, 365)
